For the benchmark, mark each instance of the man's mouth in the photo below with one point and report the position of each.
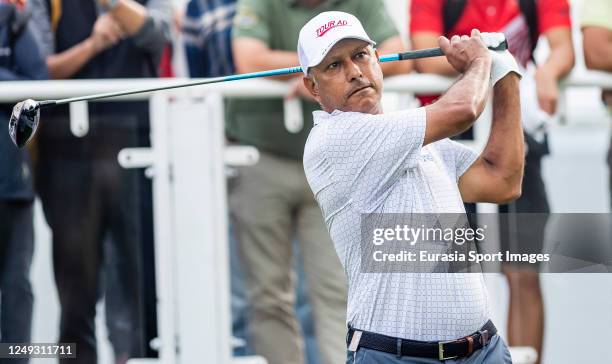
(357, 90)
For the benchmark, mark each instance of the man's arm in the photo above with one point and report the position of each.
(497, 174)
(106, 33)
(559, 63)
(150, 26)
(597, 45)
(461, 105)
(129, 14)
(253, 55)
(67, 63)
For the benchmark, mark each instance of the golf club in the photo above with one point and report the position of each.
(26, 114)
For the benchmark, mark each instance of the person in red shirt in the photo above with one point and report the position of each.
(553, 21)
(522, 22)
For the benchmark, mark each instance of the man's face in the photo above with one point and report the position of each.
(348, 79)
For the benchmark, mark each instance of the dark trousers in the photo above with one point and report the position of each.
(87, 197)
(16, 249)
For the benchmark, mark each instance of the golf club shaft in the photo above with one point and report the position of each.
(422, 53)
(242, 76)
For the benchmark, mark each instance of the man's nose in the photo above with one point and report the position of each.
(353, 71)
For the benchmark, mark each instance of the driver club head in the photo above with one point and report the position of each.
(24, 122)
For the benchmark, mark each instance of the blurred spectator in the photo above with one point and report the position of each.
(522, 22)
(596, 26)
(85, 193)
(272, 200)
(207, 29)
(20, 59)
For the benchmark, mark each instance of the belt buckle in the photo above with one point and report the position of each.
(441, 351)
(484, 337)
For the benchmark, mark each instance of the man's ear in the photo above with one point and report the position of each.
(377, 55)
(311, 86)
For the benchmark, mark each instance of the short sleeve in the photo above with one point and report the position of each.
(251, 20)
(457, 157)
(552, 14)
(156, 32)
(371, 152)
(426, 16)
(41, 26)
(596, 13)
(376, 21)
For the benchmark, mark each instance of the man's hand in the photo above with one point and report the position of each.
(558, 64)
(106, 33)
(547, 90)
(464, 101)
(462, 51)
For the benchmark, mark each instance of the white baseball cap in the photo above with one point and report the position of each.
(323, 31)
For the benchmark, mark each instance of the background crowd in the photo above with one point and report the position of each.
(288, 287)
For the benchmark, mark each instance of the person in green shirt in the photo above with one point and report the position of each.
(271, 202)
(596, 24)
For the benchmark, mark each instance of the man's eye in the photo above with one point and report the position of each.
(333, 65)
(361, 55)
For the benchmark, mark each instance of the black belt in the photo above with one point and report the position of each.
(441, 350)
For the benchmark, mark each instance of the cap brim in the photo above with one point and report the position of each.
(317, 60)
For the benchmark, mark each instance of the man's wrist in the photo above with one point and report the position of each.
(89, 45)
(484, 60)
(510, 78)
(92, 47)
(543, 73)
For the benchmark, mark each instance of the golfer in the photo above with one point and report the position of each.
(359, 160)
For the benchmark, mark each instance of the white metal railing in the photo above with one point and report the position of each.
(12, 91)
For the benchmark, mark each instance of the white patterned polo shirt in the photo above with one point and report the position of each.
(360, 163)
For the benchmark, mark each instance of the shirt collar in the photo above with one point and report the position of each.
(318, 116)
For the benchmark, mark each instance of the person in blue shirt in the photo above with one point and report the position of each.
(20, 59)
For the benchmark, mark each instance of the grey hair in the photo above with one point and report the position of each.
(310, 74)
